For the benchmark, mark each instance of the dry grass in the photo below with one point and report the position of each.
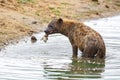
(45, 10)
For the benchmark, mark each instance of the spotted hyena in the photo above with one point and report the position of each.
(81, 37)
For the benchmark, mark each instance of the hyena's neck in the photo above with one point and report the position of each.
(67, 28)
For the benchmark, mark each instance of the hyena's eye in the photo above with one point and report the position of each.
(50, 26)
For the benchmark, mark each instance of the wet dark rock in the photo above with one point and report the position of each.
(95, 0)
(97, 13)
(33, 39)
(2, 1)
(22, 30)
(34, 22)
(106, 6)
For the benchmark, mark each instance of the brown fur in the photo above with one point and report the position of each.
(81, 37)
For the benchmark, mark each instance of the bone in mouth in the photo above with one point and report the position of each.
(45, 38)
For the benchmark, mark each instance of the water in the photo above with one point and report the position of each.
(52, 60)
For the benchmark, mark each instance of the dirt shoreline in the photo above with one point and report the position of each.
(19, 18)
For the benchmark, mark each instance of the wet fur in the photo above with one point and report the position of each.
(81, 37)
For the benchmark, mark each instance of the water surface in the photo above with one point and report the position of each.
(52, 60)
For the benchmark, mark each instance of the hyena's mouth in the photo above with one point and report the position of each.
(49, 32)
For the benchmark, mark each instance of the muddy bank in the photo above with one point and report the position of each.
(15, 26)
(11, 30)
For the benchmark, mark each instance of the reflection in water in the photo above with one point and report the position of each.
(81, 68)
(88, 67)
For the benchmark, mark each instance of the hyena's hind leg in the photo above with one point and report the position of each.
(90, 49)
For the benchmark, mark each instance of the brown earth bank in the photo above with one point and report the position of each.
(19, 18)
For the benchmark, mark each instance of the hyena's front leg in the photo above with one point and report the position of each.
(75, 51)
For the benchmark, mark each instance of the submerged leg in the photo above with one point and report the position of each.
(90, 49)
(75, 51)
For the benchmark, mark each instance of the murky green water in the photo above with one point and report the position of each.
(52, 60)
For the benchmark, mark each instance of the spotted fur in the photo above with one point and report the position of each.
(81, 37)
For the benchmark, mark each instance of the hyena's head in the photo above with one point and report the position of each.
(54, 26)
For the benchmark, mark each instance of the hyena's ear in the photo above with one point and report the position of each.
(60, 21)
